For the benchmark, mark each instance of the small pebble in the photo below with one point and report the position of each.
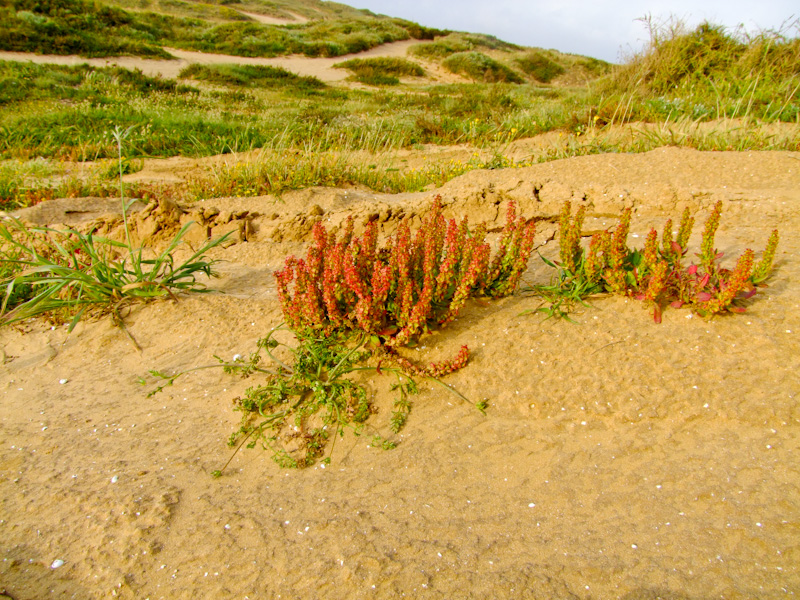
(63, 381)
(57, 563)
(115, 479)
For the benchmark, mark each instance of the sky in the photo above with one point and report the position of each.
(605, 29)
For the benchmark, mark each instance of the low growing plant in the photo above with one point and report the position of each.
(349, 302)
(401, 290)
(67, 272)
(657, 273)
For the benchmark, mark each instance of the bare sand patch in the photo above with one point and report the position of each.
(267, 20)
(618, 458)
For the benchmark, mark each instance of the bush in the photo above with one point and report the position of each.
(656, 274)
(540, 67)
(479, 67)
(381, 70)
(250, 76)
(732, 72)
(399, 291)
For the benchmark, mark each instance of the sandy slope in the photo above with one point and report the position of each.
(321, 68)
(618, 458)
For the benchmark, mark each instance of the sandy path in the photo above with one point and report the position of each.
(618, 458)
(321, 68)
(275, 20)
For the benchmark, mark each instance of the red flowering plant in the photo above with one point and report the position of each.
(707, 287)
(396, 293)
(348, 293)
(657, 274)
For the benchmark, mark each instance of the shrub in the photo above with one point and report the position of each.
(540, 67)
(382, 70)
(250, 76)
(480, 67)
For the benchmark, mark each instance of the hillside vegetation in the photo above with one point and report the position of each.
(92, 29)
(708, 88)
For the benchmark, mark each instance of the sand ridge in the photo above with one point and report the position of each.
(617, 459)
(322, 68)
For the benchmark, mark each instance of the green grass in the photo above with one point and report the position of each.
(382, 70)
(707, 73)
(261, 76)
(318, 135)
(480, 67)
(91, 28)
(453, 43)
(539, 66)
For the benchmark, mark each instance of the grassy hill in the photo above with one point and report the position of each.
(496, 96)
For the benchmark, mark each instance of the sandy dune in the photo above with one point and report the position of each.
(275, 20)
(321, 68)
(617, 459)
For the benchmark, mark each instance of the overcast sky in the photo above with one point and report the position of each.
(606, 29)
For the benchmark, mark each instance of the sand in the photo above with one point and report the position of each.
(617, 458)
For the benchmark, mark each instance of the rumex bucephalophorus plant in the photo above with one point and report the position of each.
(657, 274)
(350, 304)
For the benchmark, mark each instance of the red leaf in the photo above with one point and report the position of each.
(704, 296)
(388, 331)
(704, 280)
(692, 270)
(676, 248)
(676, 304)
(737, 309)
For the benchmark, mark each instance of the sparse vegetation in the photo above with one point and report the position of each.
(65, 273)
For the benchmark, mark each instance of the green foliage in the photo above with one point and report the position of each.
(74, 27)
(711, 72)
(26, 81)
(539, 66)
(64, 273)
(250, 76)
(89, 28)
(453, 43)
(419, 32)
(480, 67)
(441, 48)
(382, 70)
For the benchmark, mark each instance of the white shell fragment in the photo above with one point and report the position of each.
(57, 563)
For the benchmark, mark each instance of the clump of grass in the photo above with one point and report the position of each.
(75, 27)
(382, 70)
(480, 67)
(656, 274)
(64, 273)
(537, 65)
(250, 76)
(713, 72)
